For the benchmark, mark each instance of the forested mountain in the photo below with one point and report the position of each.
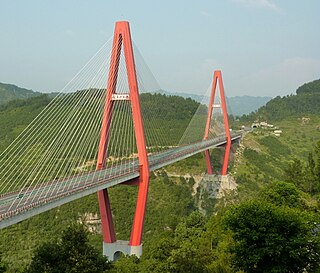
(309, 88)
(10, 92)
(172, 113)
(305, 101)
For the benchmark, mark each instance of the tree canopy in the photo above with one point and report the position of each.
(309, 88)
(72, 253)
(270, 238)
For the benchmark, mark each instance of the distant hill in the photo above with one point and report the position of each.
(305, 102)
(237, 106)
(240, 105)
(10, 92)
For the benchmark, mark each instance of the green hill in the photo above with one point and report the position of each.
(265, 156)
(305, 102)
(10, 92)
(309, 88)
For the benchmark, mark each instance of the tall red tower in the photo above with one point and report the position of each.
(217, 79)
(122, 39)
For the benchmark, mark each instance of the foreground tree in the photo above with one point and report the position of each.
(72, 254)
(283, 194)
(3, 267)
(270, 238)
(175, 251)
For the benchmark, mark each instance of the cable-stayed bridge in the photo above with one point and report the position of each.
(99, 134)
(62, 191)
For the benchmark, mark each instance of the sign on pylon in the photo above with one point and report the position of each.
(217, 79)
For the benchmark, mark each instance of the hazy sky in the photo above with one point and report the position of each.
(263, 47)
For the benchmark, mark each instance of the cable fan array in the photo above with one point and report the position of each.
(196, 128)
(61, 141)
(53, 154)
(57, 153)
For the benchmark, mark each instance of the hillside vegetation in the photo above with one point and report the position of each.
(266, 157)
(171, 114)
(306, 101)
(16, 115)
(309, 88)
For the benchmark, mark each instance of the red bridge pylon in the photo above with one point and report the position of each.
(217, 78)
(122, 38)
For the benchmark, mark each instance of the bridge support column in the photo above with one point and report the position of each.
(218, 77)
(113, 250)
(111, 247)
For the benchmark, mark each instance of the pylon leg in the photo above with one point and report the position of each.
(137, 227)
(226, 158)
(104, 202)
(208, 162)
(138, 222)
(106, 217)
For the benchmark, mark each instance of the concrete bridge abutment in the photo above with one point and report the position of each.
(113, 250)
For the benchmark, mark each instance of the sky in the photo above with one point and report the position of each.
(262, 47)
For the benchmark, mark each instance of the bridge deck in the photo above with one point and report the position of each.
(35, 202)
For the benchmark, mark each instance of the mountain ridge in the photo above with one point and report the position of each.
(237, 105)
(10, 92)
(306, 101)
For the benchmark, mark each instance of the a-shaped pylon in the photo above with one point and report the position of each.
(122, 38)
(217, 79)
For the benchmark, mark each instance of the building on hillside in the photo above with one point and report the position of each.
(277, 132)
(262, 124)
